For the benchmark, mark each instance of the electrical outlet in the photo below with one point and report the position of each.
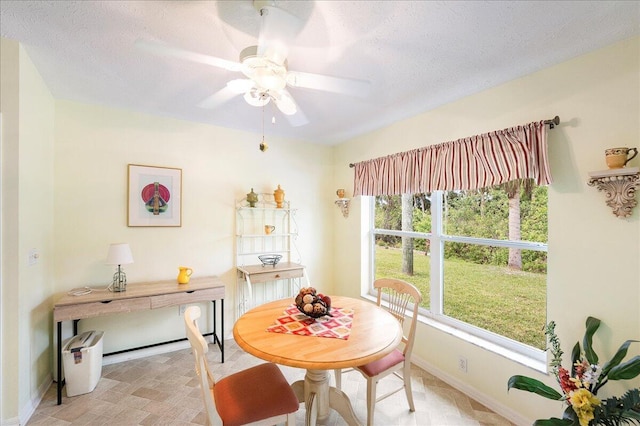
(33, 256)
(462, 364)
(181, 310)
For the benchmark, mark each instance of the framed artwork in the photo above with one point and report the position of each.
(154, 196)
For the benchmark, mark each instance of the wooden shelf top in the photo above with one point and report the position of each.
(282, 266)
(142, 289)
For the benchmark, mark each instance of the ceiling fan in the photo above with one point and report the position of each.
(265, 67)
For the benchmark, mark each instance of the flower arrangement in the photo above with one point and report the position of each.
(580, 385)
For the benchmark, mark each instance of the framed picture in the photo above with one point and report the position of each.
(154, 196)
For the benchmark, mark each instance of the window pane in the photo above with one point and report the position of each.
(413, 267)
(492, 289)
(388, 212)
(481, 290)
(486, 213)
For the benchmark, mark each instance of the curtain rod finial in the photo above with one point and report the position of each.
(553, 122)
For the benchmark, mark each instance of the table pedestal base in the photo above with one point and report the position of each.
(319, 397)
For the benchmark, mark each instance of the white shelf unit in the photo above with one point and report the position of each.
(256, 283)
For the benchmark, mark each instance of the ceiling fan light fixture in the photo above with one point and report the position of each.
(255, 98)
(259, 68)
(266, 78)
(240, 85)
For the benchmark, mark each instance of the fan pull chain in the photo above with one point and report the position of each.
(263, 144)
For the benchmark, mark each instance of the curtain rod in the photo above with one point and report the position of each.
(552, 123)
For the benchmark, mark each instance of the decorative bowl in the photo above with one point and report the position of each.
(312, 304)
(270, 259)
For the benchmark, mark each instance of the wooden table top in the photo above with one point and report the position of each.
(374, 333)
(143, 289)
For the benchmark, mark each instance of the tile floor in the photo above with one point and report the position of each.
(163, 390)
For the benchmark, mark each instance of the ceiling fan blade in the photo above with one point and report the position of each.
(278, 29)
(220, 97)
(288, 106)
(298, 119)
(346, 86)
(161, 49)
(285, 103)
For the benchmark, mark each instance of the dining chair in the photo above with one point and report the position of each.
(259, 395)
(402, 301)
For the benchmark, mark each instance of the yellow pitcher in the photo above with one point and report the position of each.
(185, 273)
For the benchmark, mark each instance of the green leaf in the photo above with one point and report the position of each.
(575, 357)
(554, 421)
(617, 358)
(592, 325)
(627, 370)
(533, 385)
(569, 414)
(619, 411)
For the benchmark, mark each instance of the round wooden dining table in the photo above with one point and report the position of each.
(374, 334)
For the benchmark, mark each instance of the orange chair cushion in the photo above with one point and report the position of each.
(376, 367)
(254, 394)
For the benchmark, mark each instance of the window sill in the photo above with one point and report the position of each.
(539, 365)
(527, 361)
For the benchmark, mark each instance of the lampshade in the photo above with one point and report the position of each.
(119, 254)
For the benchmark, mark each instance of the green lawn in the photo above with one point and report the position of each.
(498, 299)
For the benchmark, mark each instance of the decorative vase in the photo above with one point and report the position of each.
(252, 198)
(184, 275)
(278, 195)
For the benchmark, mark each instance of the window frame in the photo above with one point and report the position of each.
(434, 316)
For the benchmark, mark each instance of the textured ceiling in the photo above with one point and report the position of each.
(416, 54)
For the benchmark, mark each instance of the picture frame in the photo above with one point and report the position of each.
(154, 196)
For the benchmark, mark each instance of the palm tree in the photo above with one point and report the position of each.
(407, 242)
(514, 190)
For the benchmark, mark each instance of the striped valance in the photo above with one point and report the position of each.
(469, 163)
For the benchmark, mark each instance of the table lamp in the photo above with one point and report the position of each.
(119, 254)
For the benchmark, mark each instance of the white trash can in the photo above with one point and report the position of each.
(82, 362)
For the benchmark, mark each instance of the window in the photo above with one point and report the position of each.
(478, 257)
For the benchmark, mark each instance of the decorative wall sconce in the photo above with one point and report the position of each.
(619, 186)
(342, 202)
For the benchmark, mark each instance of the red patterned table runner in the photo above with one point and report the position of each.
(292, 321)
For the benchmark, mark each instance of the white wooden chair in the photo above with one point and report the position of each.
(258, 396)
(399, 295)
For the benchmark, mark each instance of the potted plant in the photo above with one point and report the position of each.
(581, 383)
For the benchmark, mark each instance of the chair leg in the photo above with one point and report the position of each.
(338, 374)
(406, 375)
(291, 419)
(371, 399)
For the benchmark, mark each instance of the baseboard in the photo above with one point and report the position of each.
(28, 410)
(490, 403)
(143, 353)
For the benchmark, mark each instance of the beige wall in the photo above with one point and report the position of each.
(219, 166)
(593, 256)
(27, 211)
